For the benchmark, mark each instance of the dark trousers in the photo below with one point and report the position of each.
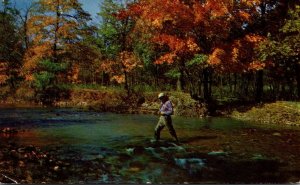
(165, 121)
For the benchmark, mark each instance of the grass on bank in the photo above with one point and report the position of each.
(280, 113)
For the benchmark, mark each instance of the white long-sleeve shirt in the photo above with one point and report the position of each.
(166, 108)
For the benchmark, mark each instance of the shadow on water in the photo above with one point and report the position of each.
(197, 138)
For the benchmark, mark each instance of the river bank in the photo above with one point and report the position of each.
(117, 101)
(281, 113)
(139, 103)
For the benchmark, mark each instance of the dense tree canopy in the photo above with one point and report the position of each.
(11, 50)
(56, 30)
(212, 49)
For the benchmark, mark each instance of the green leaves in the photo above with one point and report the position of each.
(286, 45)
(199, 59)
(49, 66)
(292, 24)
(173, 73)
(110, 30)
(46, 76)
(43, 80)
(46, 83)
(11, 50)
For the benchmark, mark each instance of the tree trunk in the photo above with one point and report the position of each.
(181, 81)
(221, 87)
(55, 57)
(297, 70)
(210, 75)
(234, 82)
(259, 86)
(156, 77)
(206, 89)
(126, 83)
(229, 83)
(182, 84)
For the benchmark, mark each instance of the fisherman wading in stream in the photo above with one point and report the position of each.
(165, 112)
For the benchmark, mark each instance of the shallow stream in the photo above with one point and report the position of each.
(212, 150)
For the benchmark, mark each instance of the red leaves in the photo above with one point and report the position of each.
(134, 10)
(178, 24)
(178, 47)
(3, 69)
(238, 56)
(125, 62)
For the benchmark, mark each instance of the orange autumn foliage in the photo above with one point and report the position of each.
(238, 56)
(126, 62)
(54, 34)
(184, 27)
(3, 69)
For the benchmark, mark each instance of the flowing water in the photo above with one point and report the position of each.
(211, 150)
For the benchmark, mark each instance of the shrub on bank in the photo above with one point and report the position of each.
(280, 113)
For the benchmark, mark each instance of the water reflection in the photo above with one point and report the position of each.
(122, 146)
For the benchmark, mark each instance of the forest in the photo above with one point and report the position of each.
(245, 50)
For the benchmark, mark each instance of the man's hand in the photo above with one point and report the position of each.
(161, 113)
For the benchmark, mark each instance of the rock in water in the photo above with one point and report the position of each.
(217, 153)
(193, 165)
(277, 134)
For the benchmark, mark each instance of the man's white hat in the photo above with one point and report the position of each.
(161, 95)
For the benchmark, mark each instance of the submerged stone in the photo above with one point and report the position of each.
(193, 165)
(277, 134)
(258, 157)
(217, 153)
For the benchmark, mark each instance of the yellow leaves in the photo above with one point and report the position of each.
(199, 13)
(256, 65)
(244, 16)
(64, 5)
(74, 75)
(48, 4)
(3, 69)
(235, 54)
(157, 23)
(129, 61)
(29, 77)
(254, 38)
(239, 56)
(50, 28)
(179, 47)
(118, 78)
(168, 58)
(3, 65)
(125, 62)
(174, 43)
(177, 25)
(35, 54)
(67, 30)
(217, 8)
(251, 2)
(3, 78)
(107, 65)
(226, 59)
(216, 57)
(192, 45)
